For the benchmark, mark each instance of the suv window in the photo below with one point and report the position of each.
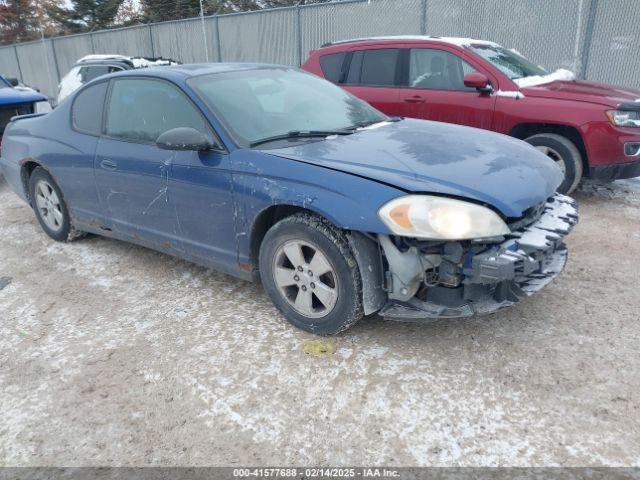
(141, 110)
(373, 67)
(86, 112)
(90, 72)
(331, 65)
(433, 69)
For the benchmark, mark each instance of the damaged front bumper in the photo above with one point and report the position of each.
(479, 278)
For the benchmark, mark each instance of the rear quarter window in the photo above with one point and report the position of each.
(92, 72)
(86, 111)
(331, 65)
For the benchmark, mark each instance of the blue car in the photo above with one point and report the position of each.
(17, 100)
(272, 174)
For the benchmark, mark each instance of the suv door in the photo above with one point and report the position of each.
(373, 76)
(81, 74)
(433, 89)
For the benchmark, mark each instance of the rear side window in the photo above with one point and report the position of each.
(331, 65)
(86, 112)
(141, 110)
(374, 67)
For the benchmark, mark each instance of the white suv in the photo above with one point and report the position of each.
(93, 66)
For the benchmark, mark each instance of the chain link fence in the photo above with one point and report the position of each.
(598, 39)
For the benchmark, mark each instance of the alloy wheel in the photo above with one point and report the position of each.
(48, 204)
(305, 278)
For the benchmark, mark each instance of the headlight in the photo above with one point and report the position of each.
(624, 118)
(440, 218)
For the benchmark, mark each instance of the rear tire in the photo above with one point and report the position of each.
(325, 301)
(564, 152)
(50, 208)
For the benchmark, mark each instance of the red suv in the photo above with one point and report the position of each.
(591, 130)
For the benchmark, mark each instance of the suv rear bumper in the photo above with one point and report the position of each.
(501, 275)
(616, 171)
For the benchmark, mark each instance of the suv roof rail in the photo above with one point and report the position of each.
(366, 39)
(100, 58)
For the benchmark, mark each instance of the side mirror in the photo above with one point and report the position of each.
(13, 81)
(478, 81)
(184, 138)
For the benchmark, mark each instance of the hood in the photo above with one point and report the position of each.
(433, 157)
(580, 91)
(9, 95)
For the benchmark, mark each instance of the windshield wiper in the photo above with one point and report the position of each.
(301, 134)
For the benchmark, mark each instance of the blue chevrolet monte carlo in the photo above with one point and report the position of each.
(272, 174)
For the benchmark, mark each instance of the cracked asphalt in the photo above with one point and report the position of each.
(111, 354)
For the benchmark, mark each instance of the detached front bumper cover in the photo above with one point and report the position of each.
(504, 273)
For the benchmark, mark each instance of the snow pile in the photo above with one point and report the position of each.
(465, 42)
(628, 190)
(534, 80)
(145, 63)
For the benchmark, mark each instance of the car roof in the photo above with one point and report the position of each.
(182, 72)
(457, 41)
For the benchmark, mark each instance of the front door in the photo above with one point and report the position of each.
(435, 90)
(165, 198)
(200, 193)
(133, 185)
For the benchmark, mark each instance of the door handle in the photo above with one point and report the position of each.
(108, 165)
(415, 99)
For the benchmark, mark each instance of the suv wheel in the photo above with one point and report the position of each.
(563, 151)
(310, 274)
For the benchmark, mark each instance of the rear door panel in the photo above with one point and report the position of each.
(375, 79)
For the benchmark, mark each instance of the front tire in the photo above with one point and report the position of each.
(564, 152)
(49, 206)
(311, 275)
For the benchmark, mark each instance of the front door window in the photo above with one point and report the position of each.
(433, 69)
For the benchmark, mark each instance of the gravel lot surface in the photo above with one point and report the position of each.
(111, 354)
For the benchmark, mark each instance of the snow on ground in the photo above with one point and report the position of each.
(628, 190)
(112, 354)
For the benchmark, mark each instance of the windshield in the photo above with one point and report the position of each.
(268, 102)
(508, 62)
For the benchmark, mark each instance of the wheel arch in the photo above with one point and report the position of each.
(526, 130)
(365, 250)
(27, 166)
(268, 217)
